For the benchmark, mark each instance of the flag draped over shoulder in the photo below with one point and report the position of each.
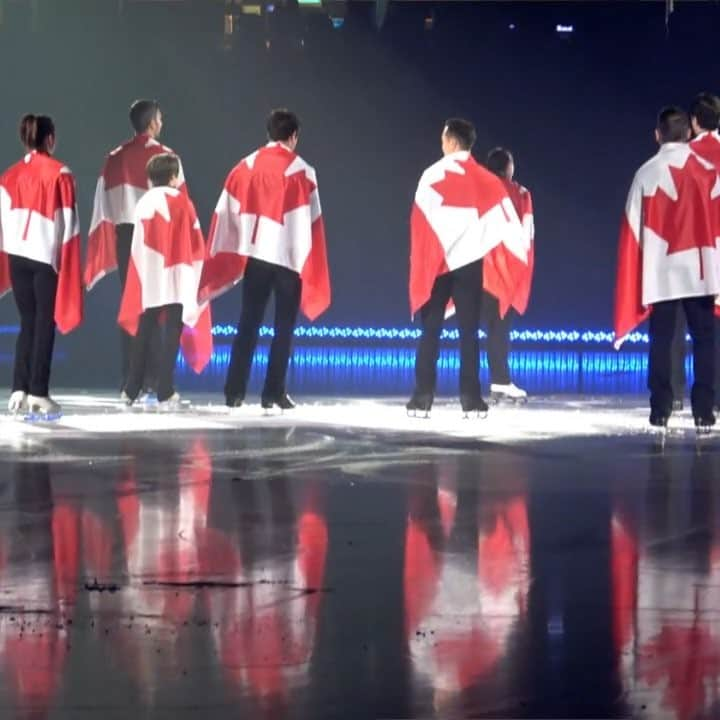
(122, 182)
(668, 247)
(269, 209)
(39, 221)
(166, 262)
(462, 213)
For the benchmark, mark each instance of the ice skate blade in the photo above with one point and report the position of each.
(476, 414)
(499, 398)
(34, 417)
(419, 414)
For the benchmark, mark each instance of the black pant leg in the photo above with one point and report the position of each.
(432, 314)
(701, 323)
(467, 294)
(168, 350)
(124, 233)
(138, 351)
(21, 277)
(679, 349)
(45, 281)
(287, 286)
(717, 361)
(498, 339)
(257, 285)
(661, 330)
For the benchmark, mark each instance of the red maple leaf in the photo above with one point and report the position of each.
(265, 191)
(177, 240)
(688, 658)
(477, 188)
(690, 222)
(127, 165)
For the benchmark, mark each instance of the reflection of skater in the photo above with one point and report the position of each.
(162, 282)
(268, 230)
(40, 259)
(665, 262)
(501, 162)
(122, 183)
(461, 213)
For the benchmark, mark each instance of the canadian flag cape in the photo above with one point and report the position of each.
(122, 183)
(39, 221)
(668, 246)
(522, 272)
(462, 212)
(165, 266)
(269, 209)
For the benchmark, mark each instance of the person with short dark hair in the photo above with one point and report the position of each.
(461, 215)
(39, 260)
(160, 295)
(123, 181)
(705, 121)
(268, 230)
(501, 163)
(667, 259)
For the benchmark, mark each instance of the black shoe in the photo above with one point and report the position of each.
(284, 402)
(677, 405)
(470, 403)
(233, 402)
(659, 418)
(419, 403)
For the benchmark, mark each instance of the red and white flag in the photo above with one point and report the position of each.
(39, 221)
(707, 146)
(270, 209)
(668, 246)
(122, 183)
(166, 262)
(462, 212)
(520, 270)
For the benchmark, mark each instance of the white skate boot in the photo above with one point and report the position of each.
(509, 393)
(18, 402)
(43, 408)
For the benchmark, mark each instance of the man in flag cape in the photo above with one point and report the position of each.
(668, 258)
(704, 121)
(501, 162)
(122, 182)
(268, 230)
(461, 215)
(166, 261)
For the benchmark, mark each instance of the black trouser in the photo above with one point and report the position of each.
(148, 328)
(678, 358)
(124, 233)
(699, 313)
(34, 286)
(498, 339)
(262, 278)
(464, 286)
(679, 350)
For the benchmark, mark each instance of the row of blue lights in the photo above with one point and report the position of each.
(324, 332)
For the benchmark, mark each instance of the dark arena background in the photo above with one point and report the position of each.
(343, 560)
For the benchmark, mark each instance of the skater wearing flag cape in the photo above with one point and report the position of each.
(668, 258)
(122, 182)
(39, 261)
(268, 230)
(501, 163)
(161, 288)
(462, 216)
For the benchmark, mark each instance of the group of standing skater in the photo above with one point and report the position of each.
(471, 253)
